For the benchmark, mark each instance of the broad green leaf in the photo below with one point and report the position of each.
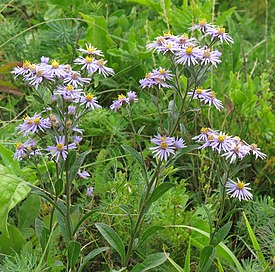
(13, 243)
(256, 245)
(42, 232)
(73, 253)
(9, 162)
(76, 165)
(176, 266)
(159, 191)
(90, 256)
(187, 257)
(59, 187)
(112, 238)
(151, 261)
(222, 249)
(221, 234)
(12, 191)
(61, 218)
(134, 153)
(28, 211)
(206, 258)
(148, 233)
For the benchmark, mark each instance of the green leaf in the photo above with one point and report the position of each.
(90, 256)
(221, 234)
(61, 218)
(112, 238)
(42, 232)
(159, 191)
(187, 257)
(151, 261)
(176, 266)
(73, 253)
(38, 98)
(206, 258)
(76, 165)
(256, 245)
(148, 233)
(28, 211)
(134, 153)
(59, 187)
(12, 191)
(9, 162)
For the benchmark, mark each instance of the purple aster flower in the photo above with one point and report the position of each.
(132, 97)
(74, 78)
(236, 151)
(91, 50)
(188, 55)
(56, 69)
(83, 174)
(102, 69)
(34, 124)
(69, 93)
(238, 189)
(72, 110)
(219, 33)
(209, 141)
(203, 135)
(222, 142)
(184, 41)
(87, 63)
(203, 26)
(90, 191)
(24, 70)
(90, 101)
(60, 149)
(165, 147)
(210, 99)
(162, 74)
(21, 151)
(199, 93)
(44, 60)
(179, 143)
(210, 57)
(116, 105)
(38, 76)
(256, 151)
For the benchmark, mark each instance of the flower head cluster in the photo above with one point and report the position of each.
(27, 149)
(238, 189)
(207, 97)
(166, 146)
(157, 78)
(122, 99)
(233, 148)
(92, 63)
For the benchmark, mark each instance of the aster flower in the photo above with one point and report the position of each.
(38, 76)
(236, 151)
(71, 110)
(21, 151)
(209, 141)
(256, 151)
(222, 142)
(77, 139)
(210, 57)
(91, 50)
(44, 60)
(34, 124)
(199, 93)
(168, 46)
(87, 63)
(116, 105)
(219, 33)
(100, 67)
(165, 147)
(69, 93)
(189, 55)
(163, 44)
(238, 189)
(132, 97)
(74, 78)
(162, 73)
(184, 41)
(179, 143)
(203, 26)
(203, 136)
(56, 69)
(90, 101)
(60, 149)
(83, 174)
(211, 99)
(90, 191)
(24, 70)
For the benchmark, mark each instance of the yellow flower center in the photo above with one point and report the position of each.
(202, 22)
(89, 97)
(148, 75)
(39, 73)
(167, 34)
(100, 62)
(236, 149)
(68, 124)
(168, 46)
(221, 138)
(240, 185)
(163, 138)
(32, 67)
(29, 149)
(159, 80)
(163, 145)
(189, 50)
(89, 59)
(204, 130)
(90, 49)
(36, 121)
(199, 90)
(210, 137)
(18, 145)
(207, 53)
(59, 147)
(183, 39)
(28, 120)
(162, 71)
(70, 88)
(55, 64)
(253, 147)
(74, 76)
(221, 30)
(121, 96)
(26, 65)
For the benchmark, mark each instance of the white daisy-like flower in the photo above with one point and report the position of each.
(91, 50)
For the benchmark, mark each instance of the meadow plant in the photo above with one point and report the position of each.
(54, 133)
